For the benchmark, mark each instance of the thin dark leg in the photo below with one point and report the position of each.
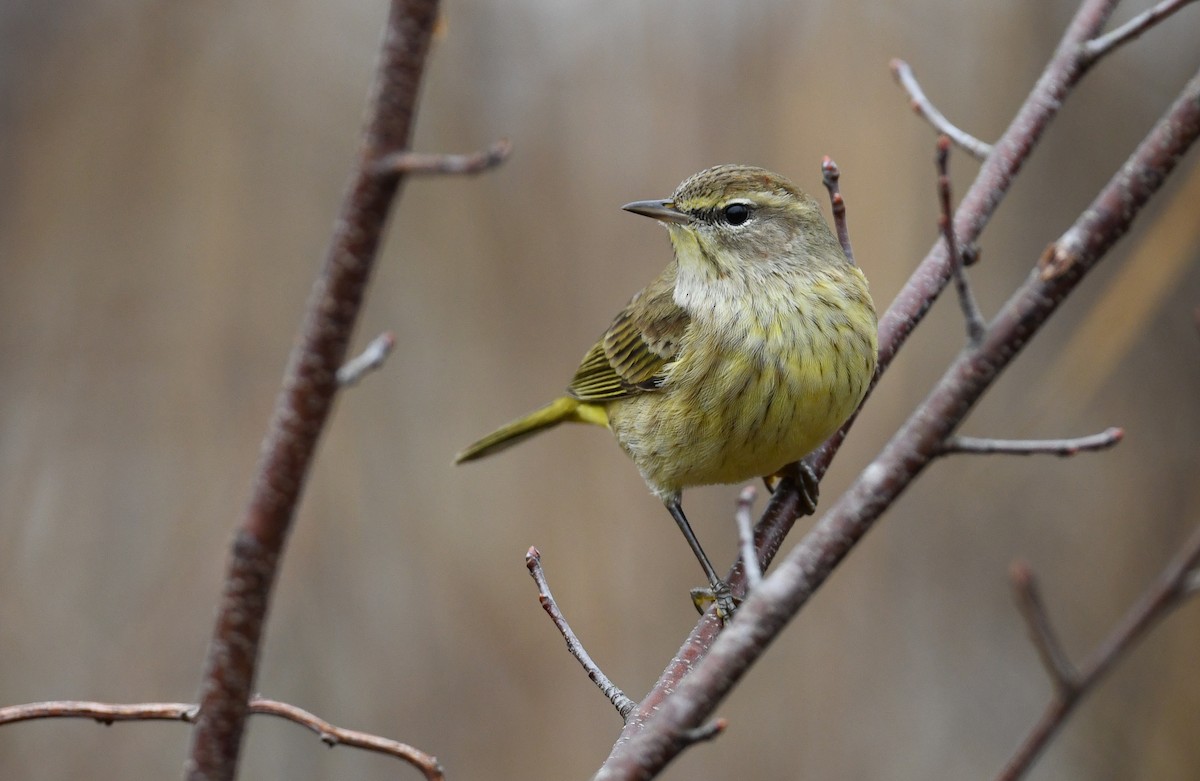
(721, 592)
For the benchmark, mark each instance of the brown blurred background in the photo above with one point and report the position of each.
(168, 176)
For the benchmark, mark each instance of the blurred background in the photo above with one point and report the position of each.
(168, 179)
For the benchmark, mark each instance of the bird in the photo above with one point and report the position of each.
(753, 346)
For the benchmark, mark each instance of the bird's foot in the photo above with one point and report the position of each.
(720, 594)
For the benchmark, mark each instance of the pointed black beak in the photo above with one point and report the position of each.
(663, 211)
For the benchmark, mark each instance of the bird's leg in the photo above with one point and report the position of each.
(806, 481)
(720, 589)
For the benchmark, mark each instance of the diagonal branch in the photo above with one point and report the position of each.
(641, 753)
(966, 298)
(533, 561)
(1047, 97)
(1062, 673)
(1104, 44)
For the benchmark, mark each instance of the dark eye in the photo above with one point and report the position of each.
(736, 213)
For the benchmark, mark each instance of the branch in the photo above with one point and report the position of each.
(108, 713)
(1098, 47)
(533, 561)
(995, 177)
(646, 748)
(830, 174)
(306, 397)
(926, 110)
(1169, 590)
(966, 299)
(1024, 447)
(419, 163)
(367, 361)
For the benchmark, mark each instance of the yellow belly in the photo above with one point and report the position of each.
(760, 400)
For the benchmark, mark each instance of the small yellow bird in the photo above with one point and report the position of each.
(753, 346)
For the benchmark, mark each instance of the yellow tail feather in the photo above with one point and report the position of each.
(560, 410)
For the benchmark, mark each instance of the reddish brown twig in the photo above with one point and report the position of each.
(830, 176)
(1025, 447)
(533, 561)
(306, 398)
(108, 713)
(1062, 673)
(649, 743)
(927, 111)
(1169, 590)
(369, 360)
(966, 299)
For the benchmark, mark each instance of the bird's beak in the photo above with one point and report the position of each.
(663, 211)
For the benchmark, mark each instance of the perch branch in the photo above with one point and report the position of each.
(533, 561)
(1024, 447)
(926, 110)
(108, 713)
(650, 739)
(746, 537)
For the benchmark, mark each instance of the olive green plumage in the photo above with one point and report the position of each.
(750, 349)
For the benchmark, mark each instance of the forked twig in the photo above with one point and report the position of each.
(1102, 45)
(966, 298)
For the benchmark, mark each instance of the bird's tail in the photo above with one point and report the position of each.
(558, 411)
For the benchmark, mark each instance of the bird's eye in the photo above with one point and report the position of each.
(736, 213)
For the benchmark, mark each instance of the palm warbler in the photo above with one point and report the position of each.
(753, 346)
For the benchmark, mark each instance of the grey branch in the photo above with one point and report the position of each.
(830, 174)
(925, 109)
(1024, 447)
(1102, 45)
(746, 537)
(1041, 632)
(533, 561)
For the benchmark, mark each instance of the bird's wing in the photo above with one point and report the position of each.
(643, 338)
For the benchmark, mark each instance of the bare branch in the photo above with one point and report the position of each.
(1024, 447)
(966, 299)
(419, 163)
(925, 109)
(306, 399)
(746, 537)
(648, 744)
(1041, 632)
(108, 713)
(1172, 586)
(708, 732)
(367, 361)
(830, 174)
(533, 561)
(1098, 47)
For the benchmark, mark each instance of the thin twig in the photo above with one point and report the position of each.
(746, 537)
(367, 361)
(1062, 673)
(830, 174)
(1104, 44)
(1024, 447)
(108, 713)
(966, 298)
(925, 109)
(533, 561)
(420, 163)
(1169, 590)
(705, 733)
